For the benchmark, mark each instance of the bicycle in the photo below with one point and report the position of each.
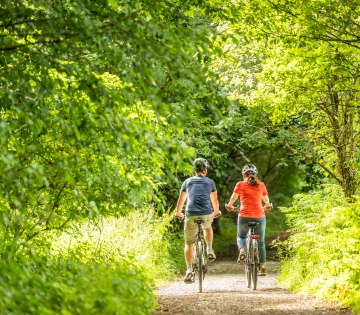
(251, 261)
(200, 261)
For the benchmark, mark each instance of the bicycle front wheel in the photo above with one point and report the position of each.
(255, 264)
(200, 256)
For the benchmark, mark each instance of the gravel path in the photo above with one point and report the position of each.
(224, 292)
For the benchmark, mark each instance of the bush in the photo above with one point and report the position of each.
(323, 250)
(141, 236)
(103, 267)
(67, 286)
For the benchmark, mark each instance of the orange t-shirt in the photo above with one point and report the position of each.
(250, 197)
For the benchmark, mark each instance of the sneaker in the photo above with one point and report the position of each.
(188, 276)
(242, 255)
(211, 255)
(262, 270)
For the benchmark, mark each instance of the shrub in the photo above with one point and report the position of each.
(324, 246)
(141, 236)
(67, 286)
(101, 267)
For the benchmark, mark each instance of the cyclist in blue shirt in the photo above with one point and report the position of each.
(200, 193)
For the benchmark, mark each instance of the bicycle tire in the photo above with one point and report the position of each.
(248, 264)
(200, 254)
(204, 259)
(255, 253)
(195, 263)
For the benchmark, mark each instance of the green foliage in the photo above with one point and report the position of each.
(141, 236)
(242, 136)
(323, 250)
(68, 286)
(176, 260)
(300, 63)
(104, 104)
(225, 244)
(101, 267)
(92, 102)
(275, 223)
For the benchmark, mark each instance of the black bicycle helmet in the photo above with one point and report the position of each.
(249, 169)
(200, 164)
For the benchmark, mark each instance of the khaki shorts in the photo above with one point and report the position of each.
(190, 227)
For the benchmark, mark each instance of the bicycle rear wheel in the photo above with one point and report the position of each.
(255, 264)
(248, 264)
(200, 256)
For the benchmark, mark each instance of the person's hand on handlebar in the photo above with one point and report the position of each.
(179, 215)
(268, 207)
(229, 207)
(217, 214)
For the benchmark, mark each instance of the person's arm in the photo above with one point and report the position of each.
(215, 203)
(233, 198)
(267, 202)
(180, 204)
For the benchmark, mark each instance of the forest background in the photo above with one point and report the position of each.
(104, 104)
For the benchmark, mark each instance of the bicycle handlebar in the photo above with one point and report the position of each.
(218, 216)
(237, 209)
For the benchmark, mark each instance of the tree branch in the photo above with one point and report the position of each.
(313, 159)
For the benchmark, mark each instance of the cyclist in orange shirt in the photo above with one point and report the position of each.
(252, 193)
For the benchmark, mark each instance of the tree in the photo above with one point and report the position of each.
(85, 106)
(305, 75)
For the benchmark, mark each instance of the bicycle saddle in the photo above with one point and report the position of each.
(198, 221)
(253, 224)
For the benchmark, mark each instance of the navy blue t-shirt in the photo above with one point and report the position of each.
(198, 189)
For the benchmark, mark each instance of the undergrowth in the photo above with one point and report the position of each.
(323, 250)
(109, 266)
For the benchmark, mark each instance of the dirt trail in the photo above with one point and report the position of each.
(224, 292)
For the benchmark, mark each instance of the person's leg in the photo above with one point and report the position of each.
(262, 247)
(189, 255)
(209, 236)
(190, 229)
(242, 230)
(261, 231)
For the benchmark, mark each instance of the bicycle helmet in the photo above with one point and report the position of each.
(200, 164)
(249, 169)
